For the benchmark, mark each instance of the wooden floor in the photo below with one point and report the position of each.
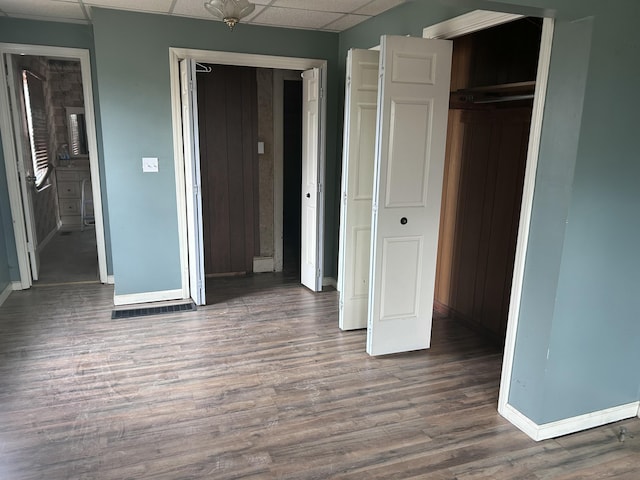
(70, 257)
(260, 385)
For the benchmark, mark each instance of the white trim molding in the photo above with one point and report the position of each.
(533, 151)
(146, 297)
(468, 23)
(263, 264)
(111, 280)
(569, 425)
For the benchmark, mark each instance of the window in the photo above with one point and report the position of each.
(37, 126)
(77, 132)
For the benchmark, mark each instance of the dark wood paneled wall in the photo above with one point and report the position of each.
(487, 152)
(227, 108)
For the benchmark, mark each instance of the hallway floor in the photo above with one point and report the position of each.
(70, 257)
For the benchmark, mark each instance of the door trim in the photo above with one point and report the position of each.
(469, 23)
(238, 59)
(9, 145)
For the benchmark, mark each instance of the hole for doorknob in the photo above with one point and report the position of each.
(403, 220)
(308, 195)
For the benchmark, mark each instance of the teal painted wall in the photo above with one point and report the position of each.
(578, 339)
(132, 53)
(31, 32)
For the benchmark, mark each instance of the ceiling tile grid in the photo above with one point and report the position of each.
(325, 15)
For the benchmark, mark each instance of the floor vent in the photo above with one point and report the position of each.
(146, 311)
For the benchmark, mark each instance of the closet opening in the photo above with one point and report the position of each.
(492, 88)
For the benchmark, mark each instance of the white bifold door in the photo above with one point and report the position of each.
(408, 165)
(191, 145)
(361, 100)
(26, 87)
(312, 173)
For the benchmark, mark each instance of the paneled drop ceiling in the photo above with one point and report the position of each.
(326, 15)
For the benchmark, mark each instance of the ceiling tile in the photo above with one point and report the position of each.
(159, 6)
(294, 18)
(43, 9)
(326, 15)
(378, 6)
(340, 6)
(346, 22)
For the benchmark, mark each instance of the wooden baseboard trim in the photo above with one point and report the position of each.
(146, 297)
(569, 425)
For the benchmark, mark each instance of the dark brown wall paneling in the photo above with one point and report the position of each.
(227, 108)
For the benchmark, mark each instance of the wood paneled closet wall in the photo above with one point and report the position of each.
(493, 78)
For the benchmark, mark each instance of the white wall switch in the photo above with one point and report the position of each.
(260, 148)
(149, 164)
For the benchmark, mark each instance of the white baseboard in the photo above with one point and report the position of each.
(569, 425)
(146, 297)
(262, 264)
(111, 280)
(330, 282)
(6, 292)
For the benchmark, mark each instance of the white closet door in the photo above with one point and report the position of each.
(310, 258)
(357, 186)
(191, 142)
(26, 172)
(413, 102)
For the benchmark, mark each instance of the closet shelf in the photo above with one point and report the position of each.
(507, 92)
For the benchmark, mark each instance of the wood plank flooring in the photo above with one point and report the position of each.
(260, 385)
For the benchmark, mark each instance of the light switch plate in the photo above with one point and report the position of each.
(149, 164)
(260, 148)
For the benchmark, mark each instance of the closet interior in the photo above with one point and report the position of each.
(492, 88)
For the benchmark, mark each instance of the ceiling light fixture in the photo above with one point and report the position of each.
(229, 11)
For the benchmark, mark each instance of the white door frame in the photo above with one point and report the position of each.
(238, 59)
(9, 150)
(469, 23)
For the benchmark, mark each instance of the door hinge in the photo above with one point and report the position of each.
(321, 93)
(319, 188)
(191, 85)
(318, 273)
(31, 248)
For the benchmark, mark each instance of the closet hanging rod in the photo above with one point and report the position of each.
(509, 98)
